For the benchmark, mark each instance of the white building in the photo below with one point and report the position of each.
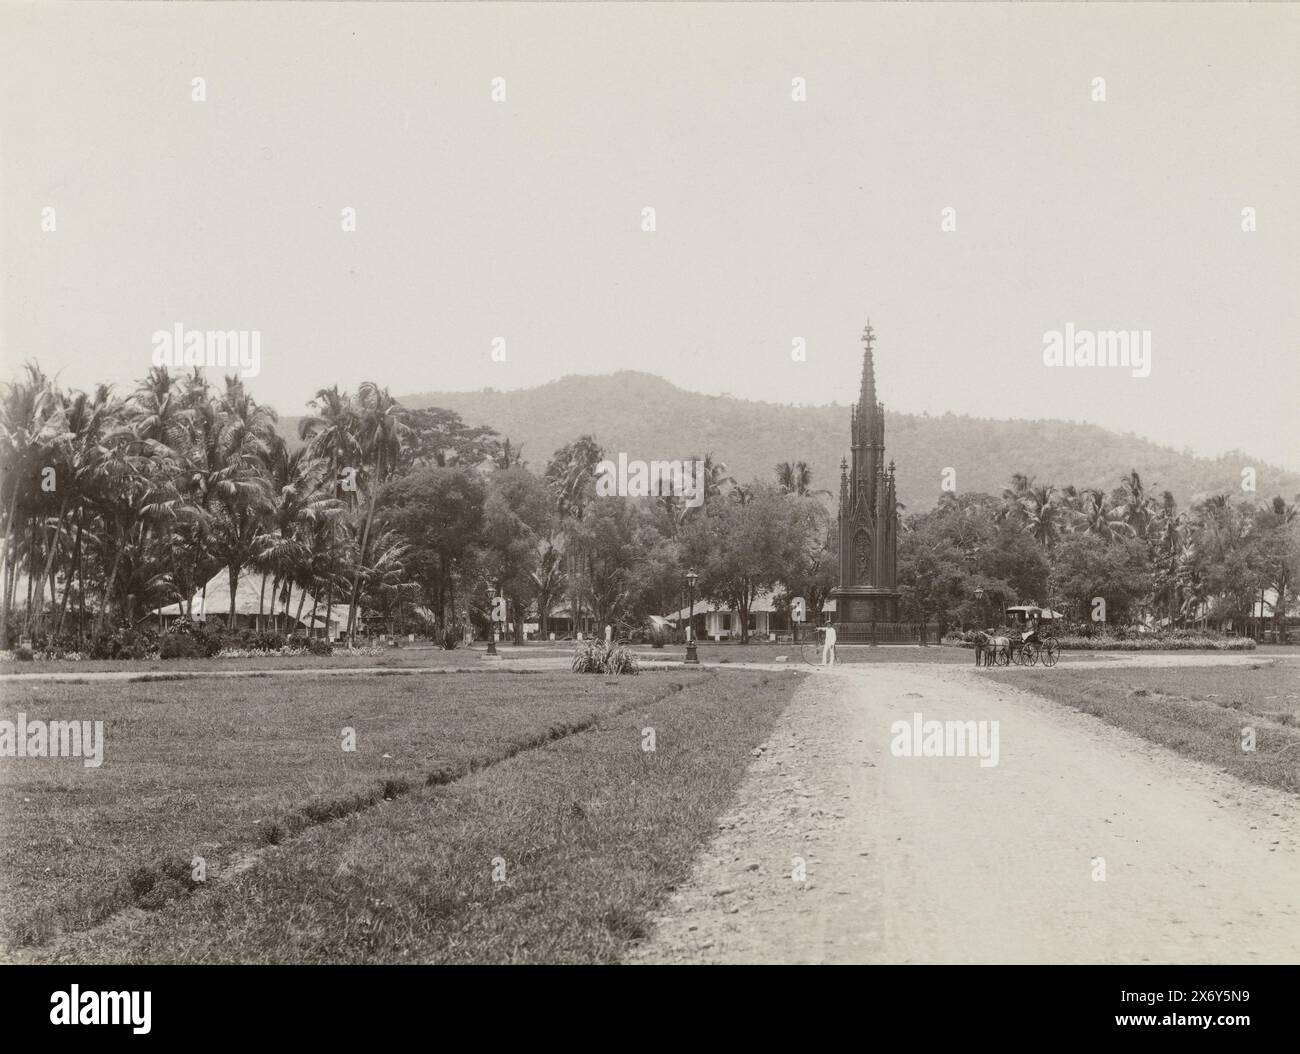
(718, 622)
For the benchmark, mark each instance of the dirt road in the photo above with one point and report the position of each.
(944, 859)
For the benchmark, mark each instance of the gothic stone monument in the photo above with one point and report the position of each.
(867, 590)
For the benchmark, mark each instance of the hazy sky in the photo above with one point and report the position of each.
(775, 219)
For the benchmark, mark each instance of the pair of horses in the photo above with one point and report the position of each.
(1000, 650)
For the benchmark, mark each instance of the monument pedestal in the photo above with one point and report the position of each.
(859, 604)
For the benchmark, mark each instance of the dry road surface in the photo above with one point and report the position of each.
(945, 860)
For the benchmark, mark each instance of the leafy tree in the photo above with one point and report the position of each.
(742, 549)
(1085, 567)
(439, 511)
(440, 438)
(517, 516)
(964, 544)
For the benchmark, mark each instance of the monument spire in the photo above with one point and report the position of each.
(867, 395)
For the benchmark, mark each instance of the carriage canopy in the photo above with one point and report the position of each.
(1024, 612)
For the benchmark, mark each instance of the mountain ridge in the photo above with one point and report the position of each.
(640, 414)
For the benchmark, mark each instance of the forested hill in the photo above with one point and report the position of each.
(646, 417)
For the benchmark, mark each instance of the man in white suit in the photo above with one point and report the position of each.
(828, 644)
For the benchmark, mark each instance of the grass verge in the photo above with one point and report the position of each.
(1200, 712)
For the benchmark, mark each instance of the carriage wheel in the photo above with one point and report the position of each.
(1051, 650)
(1029, 653)
(1002, 656)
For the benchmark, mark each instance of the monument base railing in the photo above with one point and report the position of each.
(887, 632)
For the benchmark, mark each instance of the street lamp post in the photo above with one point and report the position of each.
(492, 626)
(691, 655)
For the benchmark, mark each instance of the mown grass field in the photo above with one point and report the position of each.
(428, 657)
(305, 844)
(1198, 711)
(395, 658)
(215, 767)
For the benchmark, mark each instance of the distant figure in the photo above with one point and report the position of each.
(828, 645)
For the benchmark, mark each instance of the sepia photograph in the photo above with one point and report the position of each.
(668, 484)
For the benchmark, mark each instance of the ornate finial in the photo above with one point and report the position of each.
(844, 466)
(868, 335)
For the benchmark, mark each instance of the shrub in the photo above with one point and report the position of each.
(266, 642)
(24, 653)
(658, 636)
(179, 646)
(1159, 642)
(48, 646)
(101, 646)
(320, 646)
(208, 642)
(595, 656)
(136, 645)
(124, 643)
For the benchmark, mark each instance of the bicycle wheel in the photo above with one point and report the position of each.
(1051, 651)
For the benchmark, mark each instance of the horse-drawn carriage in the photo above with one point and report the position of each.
(1025, 648)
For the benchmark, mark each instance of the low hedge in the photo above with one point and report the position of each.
(1178, 640)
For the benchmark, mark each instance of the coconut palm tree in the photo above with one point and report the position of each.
(331, 431)
(158, 410)
(1043, 517)
(796, 478)
(241, 501)
(32, 426)
(1167, 536)
(571, 474)
(1134, 505)
(381, 433)
(1012, 506)
(121, 496)
(1094, 515)
(90, 420)
(301, 497)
